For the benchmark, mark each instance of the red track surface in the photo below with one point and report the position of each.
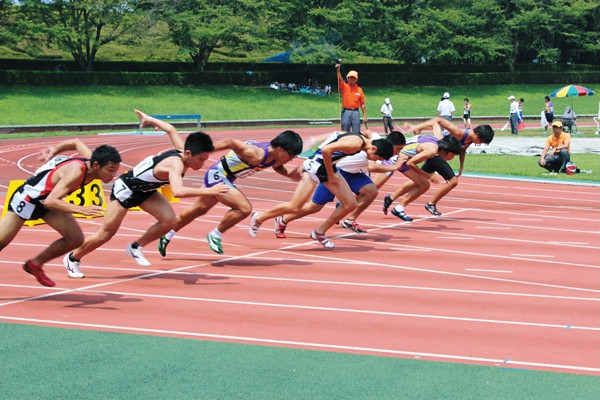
(508, 276)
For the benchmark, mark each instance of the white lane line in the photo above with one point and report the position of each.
(532, 255)
(489, 270)
(311, 345)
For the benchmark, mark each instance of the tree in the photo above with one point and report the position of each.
(199, 27)
(7, 23)
(81, 27)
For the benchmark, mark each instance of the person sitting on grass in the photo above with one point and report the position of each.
(139, 187)
(557, 150)
(42, 196)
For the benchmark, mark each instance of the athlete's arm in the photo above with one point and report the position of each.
(71, 144)
(146, 120)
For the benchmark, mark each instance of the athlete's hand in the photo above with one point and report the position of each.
(92, 211)
(221, 188)
(47, 153)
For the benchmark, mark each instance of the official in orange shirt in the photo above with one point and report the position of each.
(557, 151)
(353, 99)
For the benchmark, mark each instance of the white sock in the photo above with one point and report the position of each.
(170, 234)
(399, 208)
(215, 232)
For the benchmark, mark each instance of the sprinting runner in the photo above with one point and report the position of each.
(244, 159)
(466, 137)
(321, 168)
(352, 169)
(138, 187)
(42, 196)
(418, 149)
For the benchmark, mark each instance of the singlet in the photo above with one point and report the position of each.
(232, 166)
(412, 144)
(463, 141)
(336, 155)
(39, 186)
(141, 178)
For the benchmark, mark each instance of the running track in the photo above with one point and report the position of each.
(508, 276)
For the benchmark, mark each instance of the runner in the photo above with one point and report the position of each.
(139, 187)
(466, 137)
(321, 168)
(352, 169)
(244, 159)
(42, 196)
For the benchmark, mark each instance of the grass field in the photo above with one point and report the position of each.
(34, 105)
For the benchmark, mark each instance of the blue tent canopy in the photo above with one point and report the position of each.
(283, 57)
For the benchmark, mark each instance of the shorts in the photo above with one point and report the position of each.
(126, 197)
(24, 207)
(316, 170)
(439, 165)
(214, 176)
(549, 117)
(356, 182)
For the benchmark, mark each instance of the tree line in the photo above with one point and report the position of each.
(506, 32)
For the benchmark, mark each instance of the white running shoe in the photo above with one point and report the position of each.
(254, 225)
(72, 268)
(137, 255)
(321, 238)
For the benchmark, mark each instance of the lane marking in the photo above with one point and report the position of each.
(310, 344)
(489, 270)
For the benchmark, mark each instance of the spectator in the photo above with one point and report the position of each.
(445, 107)
(467, 113)
(548, 113)
(557, 151)
(353, 98)
(514, 116)
(568, 119)
(521, 124)
(386, 110)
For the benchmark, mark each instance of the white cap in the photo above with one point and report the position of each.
(511, 98)
(446, 95)
(387, 100)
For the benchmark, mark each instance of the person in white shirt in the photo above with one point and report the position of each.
(445, 107)
(514, 116)
(386, 110)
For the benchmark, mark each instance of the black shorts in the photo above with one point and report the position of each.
(439, 165)
(126, 197)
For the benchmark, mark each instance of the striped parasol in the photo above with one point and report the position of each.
(572, 91)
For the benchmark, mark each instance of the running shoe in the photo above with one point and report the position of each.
(137, 255)
(432, 209)
(72, 268)
(39, 274)
(353, 226)
(254, 225)
(321, 238)
(163, 242)
(401, 214)
(387, 202)
(214, 243)
(280, 228)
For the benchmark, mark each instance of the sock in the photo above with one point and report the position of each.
(135, 245)
(72, 258)
(215, 232)
(170, 234)
(399, 208)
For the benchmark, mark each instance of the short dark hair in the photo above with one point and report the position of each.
(397, 138)
(105, 154)
(289, 141)
(522, 100)
(466, 99)
(449, 144)
(385, 148)
(485, 133)
(198, 142)
(547, 98)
